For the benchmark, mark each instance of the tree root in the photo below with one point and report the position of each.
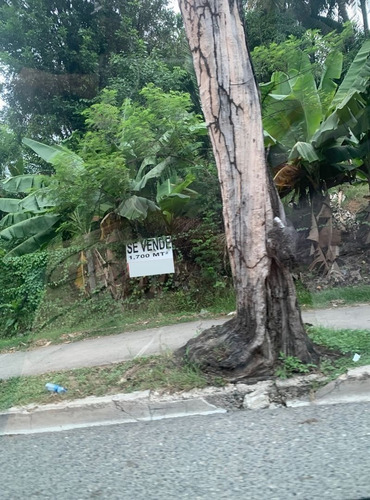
(226, 350)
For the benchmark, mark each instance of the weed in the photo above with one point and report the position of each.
(345, 341)
(348, 342)
(290, 365)
(347, 295)
(304, 296)
(154, 373)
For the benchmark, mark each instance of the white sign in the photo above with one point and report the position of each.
(150, 257)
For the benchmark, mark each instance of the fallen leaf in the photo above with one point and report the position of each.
(309, 421)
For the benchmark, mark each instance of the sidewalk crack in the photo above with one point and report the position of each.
(119, 407)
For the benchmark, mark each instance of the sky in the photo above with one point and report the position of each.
(175, 5)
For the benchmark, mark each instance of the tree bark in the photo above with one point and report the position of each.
(268, 319)
(364, 12)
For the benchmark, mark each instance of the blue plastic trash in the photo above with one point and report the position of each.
(55, 388)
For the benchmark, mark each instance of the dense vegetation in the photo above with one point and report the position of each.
(102, 142)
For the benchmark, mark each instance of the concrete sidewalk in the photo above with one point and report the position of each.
(125, 346)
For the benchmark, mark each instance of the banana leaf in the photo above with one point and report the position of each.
(332, 71)
(342, 153)
(140, 181)
(9, 205)
(136, 208)
(283, 119)
(34, 243)
(29, 227)
(357, 77)
(14, 218)
(174, 203)
(305, 91)
(279, 85)
(171, 186)
(36, 202)
(340, 122)
(149, 160)
(23, 183)
(305, 151)
(51, 153)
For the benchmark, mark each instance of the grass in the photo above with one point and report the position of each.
(157, 312)
(149, 314)
(155, 373)
(344, 295)
(165, 374)
(346, 342)
(97, 327)
(337, 355)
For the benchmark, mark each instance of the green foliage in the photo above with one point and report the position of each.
(132, 160)
(290, 365)
(348, 295)
(10, 152)
(148, 373)
(23, 183)
(27, 225)
(346, 341)
(131, 73)
(208, 252)
(164, 126)
(57, 56)
(274, 20)
(304, 296)
(270, 57)
(264, 28)
(147, 150)
(314, 130)
(21, 290)
(99, 147)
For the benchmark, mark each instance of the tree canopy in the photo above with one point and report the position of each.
(58, 55)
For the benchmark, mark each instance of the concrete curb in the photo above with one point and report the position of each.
(351, 387)
(95, 411)
(143, 406)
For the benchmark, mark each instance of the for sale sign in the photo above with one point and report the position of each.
(149, 257)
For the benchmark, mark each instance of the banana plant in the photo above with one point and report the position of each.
(30, 221)
(317, 136)
(137, 206)
(314, 131)
(172, 194)
(33, 220)
(27, 221)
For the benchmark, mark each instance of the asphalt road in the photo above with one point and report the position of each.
(125, 346)
(311, 453)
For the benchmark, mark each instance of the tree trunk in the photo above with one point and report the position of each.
(364, 12)
(268, 318)
(342, 9)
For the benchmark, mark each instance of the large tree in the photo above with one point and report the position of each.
(324, 15)
(58, 54)
(260, 244)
